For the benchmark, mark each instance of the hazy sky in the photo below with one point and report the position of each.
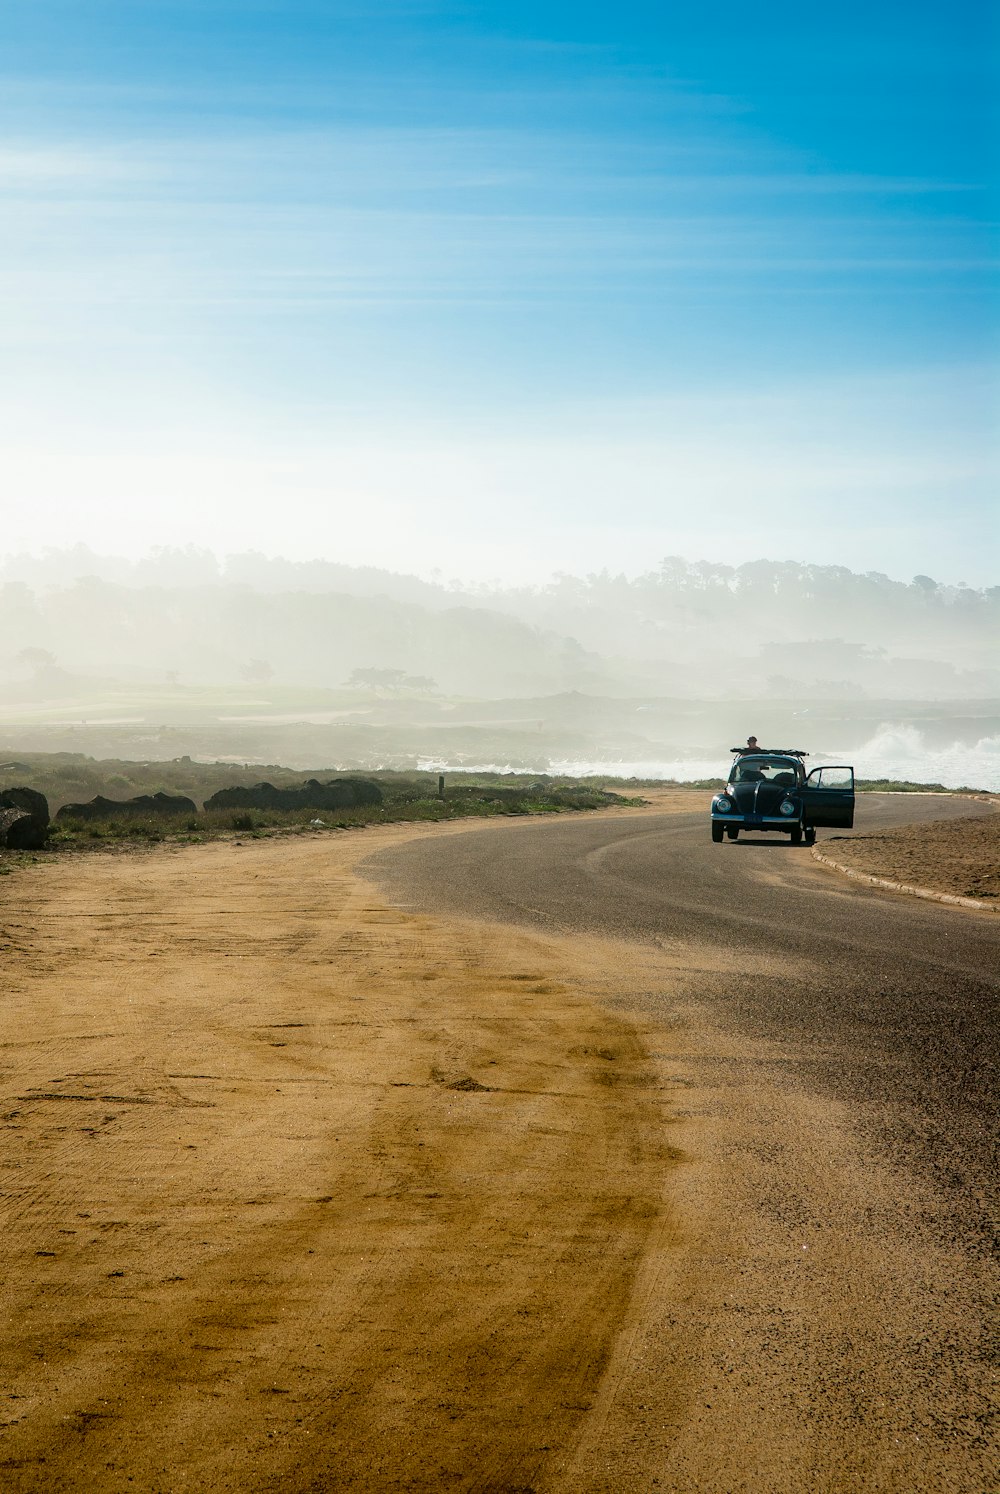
(502, 289)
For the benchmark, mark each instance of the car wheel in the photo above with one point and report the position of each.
(811, 835)
(733, 832)
(717, 833)
(796, 836)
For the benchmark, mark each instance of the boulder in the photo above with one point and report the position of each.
(342, 791)
(24, 825)
(161, 803)
(337, 793)
(260, 796)
(139, 808)
(14, 825)
(94, 809)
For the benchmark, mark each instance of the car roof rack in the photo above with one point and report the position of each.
(769, 752)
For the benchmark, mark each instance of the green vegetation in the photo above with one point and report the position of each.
(904, 786)
(70, 778)
(407, 796)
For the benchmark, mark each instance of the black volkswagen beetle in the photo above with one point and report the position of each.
(772, 791)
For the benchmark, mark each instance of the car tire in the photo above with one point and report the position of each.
(796, 836)
(810, 835)
(733, 833)
(717, 834)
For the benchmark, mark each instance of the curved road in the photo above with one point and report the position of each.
(889, 1002)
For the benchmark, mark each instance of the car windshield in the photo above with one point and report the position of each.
(779, 770)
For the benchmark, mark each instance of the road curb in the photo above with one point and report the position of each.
(925, 892)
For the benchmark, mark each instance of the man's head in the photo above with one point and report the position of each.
(752, 743)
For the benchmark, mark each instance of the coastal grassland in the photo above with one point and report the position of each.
(73, 777)
(405, 797)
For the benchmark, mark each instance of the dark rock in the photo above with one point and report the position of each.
(26, 819)
(13, 823)
(139, 808)
(361, 790)
(338, 793)
(162, 804)
(95, 809)
(260, 796)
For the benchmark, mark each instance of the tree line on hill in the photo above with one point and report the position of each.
(689, 629)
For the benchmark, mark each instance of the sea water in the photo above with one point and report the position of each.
(892, 752)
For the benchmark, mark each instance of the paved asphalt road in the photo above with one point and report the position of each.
(888, 1002)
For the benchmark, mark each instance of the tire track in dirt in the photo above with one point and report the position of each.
(301, 1191)
(420, 1203)
(815, 1308)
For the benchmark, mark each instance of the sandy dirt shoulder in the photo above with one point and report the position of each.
(302, 1191)
(957, 857)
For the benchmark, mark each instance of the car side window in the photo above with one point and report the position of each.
(832, 778)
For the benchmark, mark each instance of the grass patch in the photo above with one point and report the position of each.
(407, 797)
(904, 786)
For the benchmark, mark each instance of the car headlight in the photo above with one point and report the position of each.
(786, 807)
(721, 806)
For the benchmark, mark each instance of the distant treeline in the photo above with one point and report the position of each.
(682, 628)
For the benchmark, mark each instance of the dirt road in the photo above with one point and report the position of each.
(831, 1060)
(303, 1190)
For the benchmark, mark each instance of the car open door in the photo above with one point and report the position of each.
(828, 797)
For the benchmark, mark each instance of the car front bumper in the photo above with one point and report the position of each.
(759, 821)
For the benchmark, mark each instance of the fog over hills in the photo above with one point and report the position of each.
(325, 662)
(682, 628)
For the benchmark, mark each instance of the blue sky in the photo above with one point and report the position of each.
(502, 290)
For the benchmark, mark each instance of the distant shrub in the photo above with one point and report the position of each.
(899, 786)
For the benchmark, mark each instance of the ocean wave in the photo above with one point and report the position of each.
(894, 752)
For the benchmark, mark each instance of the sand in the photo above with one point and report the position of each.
(302, 1191)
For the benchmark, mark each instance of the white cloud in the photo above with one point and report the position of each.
(181, 366)
(56, 166)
